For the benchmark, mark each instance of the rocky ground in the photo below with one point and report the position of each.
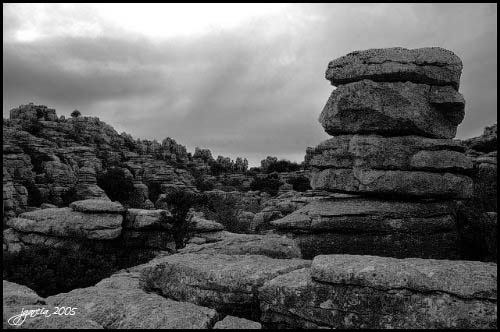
(398, 230)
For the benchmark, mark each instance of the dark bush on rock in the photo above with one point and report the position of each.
(300, 183)
(222, 210)
(283, 166)
(50, 271)
(154, 189)
(270, 184)
(204, 185)
(34, 195)
(116, 185)
(179, 203)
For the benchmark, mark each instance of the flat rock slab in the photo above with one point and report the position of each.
(403, 153)
(236, 323)
(271, 245)
(64, 222)
(465, 279)
(297, 300)
(119, 303)
(393, 183)
(97, 206)
(140, 219)
(429, 65)
(227, 283)
(201, 225)
(16, 241)
(394, 109)
(370, 215)
(373, 227)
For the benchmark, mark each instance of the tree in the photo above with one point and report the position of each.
(75, 113)
(180, 202)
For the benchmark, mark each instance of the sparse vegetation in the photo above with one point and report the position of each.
(117, 186)
(75, 114)
(270, 184)
(300, 183)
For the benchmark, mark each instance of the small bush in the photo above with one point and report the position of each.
(50, 271)
(34, 195)
(75, 114)
(223, 211)
(69, 197)
(116, 185)
(300, 183)
(283, 166)
(204, 185)
(179, 203)
(154, 189)
(270, 184)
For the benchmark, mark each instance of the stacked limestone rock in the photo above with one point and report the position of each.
(86, 186)
(392, 117)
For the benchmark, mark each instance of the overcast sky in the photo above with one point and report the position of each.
(241, 80)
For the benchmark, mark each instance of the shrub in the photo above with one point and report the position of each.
(300, 183)
(116, 185)
(179, 203)
(50, 271)
(281, 166)
(34, 195)
(75, 114)
(223, 211)
(69, 196)
(270, 184)
(154, 189)
(204, 185)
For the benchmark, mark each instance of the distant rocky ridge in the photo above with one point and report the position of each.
(55, 160)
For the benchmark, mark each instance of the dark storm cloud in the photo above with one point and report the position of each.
(251, 91)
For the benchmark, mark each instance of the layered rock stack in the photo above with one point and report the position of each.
(393, 117)
(86, 186)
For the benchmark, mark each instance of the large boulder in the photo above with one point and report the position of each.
(370, 226)
(428, 65)
(344, 291)
(64, 222)
(227, 283)
(393, 183)
(403, 153)
(368, 107)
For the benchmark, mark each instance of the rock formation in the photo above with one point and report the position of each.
(392, 117)
(348, 291)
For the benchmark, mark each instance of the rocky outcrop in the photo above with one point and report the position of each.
(392, 118)
(228, 283)
(86, 186)
(346, 291)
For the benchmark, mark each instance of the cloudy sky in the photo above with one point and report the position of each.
(241, 79)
